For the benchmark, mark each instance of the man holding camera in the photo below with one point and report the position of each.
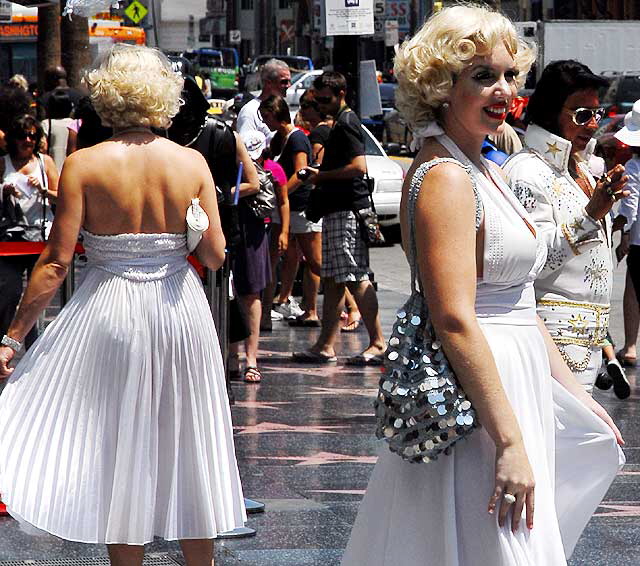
(340, 190)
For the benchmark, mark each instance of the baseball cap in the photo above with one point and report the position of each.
(255, 142)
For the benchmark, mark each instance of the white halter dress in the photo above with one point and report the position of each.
(435, 514)
(116, 425)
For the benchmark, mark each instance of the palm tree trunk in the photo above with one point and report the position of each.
(48, 46)
(76, 55)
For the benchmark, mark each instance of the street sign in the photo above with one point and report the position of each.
(5, 11)
(379, 9)
(400, 10)
(391, 36)
(235, 36)
(349, 17)
(287, 31)
(136, 11)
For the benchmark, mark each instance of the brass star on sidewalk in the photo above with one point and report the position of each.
(335, 391)
(260, 404)
(263, 428)
(553, 148)
(618, 509)
(321, 458)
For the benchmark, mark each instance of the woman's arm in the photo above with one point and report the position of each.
(300, 161)
(317, 150)
(446, 250)
(51, 171)
(52, 265)
(251, 184)
(563, 375)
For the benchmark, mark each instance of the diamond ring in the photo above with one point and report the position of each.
(509, 498)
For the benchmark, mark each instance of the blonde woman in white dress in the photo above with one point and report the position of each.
(498, 499)
(115, 425)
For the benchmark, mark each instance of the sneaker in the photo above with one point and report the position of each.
(290, 310)
(603, 381)
(621, 386)
(275, 315)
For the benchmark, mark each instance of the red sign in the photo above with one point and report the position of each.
(19, 30)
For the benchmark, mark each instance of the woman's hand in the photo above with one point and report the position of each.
(599, 410)
(6, 355)
(283, 243)
(313, 177)
(623, 248)
(608, 190)
(513, 477)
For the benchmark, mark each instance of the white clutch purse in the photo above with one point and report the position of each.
(197, 223)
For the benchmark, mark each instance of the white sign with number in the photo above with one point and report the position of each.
(235, 36)
(349, 17)
(399, 10)
(391, 36)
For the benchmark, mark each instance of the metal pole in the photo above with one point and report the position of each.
(69, 283)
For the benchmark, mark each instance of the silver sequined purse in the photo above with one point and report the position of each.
(421, 409)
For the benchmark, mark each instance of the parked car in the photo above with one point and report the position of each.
(299, 83)
(297, 63)
(388, 177)
(623, 91)
(609, 147)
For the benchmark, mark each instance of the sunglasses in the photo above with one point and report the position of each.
(285, 81)
(25, 135)
(324, 99)
(582, 116)
(313, 105)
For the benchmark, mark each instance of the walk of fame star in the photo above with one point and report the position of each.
(321, 458)
(265, 427)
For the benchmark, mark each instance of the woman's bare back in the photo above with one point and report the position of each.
(139, 183)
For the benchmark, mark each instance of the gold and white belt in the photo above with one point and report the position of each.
(569, 322)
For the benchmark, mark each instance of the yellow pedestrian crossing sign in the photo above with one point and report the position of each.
(136, 11)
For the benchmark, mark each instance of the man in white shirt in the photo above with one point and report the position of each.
(276, 79)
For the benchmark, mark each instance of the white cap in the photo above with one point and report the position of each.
(255, 142)
(630, 134)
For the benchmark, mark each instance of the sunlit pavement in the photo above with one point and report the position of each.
(305, 445)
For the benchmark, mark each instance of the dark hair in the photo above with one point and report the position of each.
(307, 98)
(18, 127)
(278, 107)
(13, 102)
(558, 81)
(59, 104)
(332, 80)
(91, 131)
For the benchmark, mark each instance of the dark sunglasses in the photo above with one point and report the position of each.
(582, 116)
(313, 105)
(324, 99)
(25, 135)
(285, 81)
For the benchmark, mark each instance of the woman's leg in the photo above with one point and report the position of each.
(253, 309)
(311, 245)
(270, 289)
(125, 554)
(197, 552)
(631, 314)
(289, 268)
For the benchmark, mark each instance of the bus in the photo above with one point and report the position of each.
(220, 65)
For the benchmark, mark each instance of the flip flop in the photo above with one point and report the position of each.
(305, 322)
(351, 326)
(252, 374)
(365, 360)
(311, 357)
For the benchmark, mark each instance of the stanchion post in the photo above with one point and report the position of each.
(69, 283)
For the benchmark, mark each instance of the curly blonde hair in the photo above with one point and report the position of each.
(426, 64)
(134, 86)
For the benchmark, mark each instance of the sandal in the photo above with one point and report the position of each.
(252, 374)
(305, 322)
(351, 326)
(626, 361)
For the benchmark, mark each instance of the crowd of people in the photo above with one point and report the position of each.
(516, 280)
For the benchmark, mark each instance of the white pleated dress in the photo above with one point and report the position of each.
(435, 514)
(116, 425)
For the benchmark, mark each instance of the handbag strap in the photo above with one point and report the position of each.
(414, 189)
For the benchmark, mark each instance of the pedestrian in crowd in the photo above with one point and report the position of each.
(56, 126)
(55, 79)
(279, 221)
(571, 210)
(145, 447)
(342, 189)
(276, 79)
(29, 182)
(251, 270)
(320, 125)
(474, 252)
(292, 150)
(14, 102)
(19, 81)
(91, 130)
(630, 240)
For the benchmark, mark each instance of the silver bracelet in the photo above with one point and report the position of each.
(11, 343)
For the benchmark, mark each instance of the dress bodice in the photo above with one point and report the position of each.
(139, 257)
(513, 256)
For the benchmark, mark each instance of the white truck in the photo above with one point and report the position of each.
(605, 46)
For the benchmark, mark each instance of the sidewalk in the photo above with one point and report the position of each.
(304, 440)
